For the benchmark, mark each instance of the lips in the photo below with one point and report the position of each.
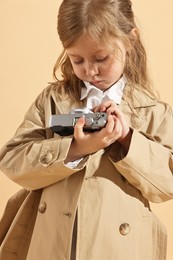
(96, 82)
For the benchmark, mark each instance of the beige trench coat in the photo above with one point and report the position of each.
(107, 193)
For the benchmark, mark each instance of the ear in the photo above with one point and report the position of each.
(133, 35)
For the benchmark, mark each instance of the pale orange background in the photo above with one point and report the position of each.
(29, 46)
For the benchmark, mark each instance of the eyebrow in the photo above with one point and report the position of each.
(73, 55)
(76, 55)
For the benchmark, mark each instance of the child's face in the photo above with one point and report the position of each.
(94, 63)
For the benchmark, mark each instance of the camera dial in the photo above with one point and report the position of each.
(89, 121)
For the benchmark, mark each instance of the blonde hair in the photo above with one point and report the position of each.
(103, 20)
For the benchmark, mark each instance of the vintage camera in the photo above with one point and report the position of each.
(64, 124)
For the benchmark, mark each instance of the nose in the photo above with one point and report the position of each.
(91, 69)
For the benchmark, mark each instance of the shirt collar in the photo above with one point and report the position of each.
(115, 92)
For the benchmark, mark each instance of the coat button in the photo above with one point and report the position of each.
(124, 229)
(47, 158)
(42, 207)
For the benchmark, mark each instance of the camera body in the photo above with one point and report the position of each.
(64, 124)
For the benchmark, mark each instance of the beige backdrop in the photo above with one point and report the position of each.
(28, 49)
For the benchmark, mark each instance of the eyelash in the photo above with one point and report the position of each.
(97, 60)
(77, 62)
(103, 59)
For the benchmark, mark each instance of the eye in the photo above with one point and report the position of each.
(77, 62)
(101, 59)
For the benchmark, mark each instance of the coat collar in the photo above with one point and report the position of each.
(133, 96)
(137, 98)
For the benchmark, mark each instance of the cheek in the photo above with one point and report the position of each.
(117, 67)
(78, 71)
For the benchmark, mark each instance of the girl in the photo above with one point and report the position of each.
(86, 196)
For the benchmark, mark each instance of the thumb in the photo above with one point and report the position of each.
(78, 129)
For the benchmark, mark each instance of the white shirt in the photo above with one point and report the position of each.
(96, 96)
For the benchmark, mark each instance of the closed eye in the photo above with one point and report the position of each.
(101, 59)
(77, 62)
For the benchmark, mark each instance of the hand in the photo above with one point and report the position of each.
(111, 108)
(85, 143)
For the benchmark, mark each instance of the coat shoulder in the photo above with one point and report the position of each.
(54, 89)
(138, 97)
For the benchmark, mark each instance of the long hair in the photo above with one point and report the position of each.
(103, 20)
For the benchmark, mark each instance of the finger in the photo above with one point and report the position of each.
(108, 103)
(117, 125)
(96, 109)
(114, 127)
(100, 108)
(78, 129)
(110, 124)
(112, 110)
(109, 106)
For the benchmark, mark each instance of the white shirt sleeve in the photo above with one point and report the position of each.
(73, 164)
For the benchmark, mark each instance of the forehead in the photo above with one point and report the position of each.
(87, 45)
(87, 42)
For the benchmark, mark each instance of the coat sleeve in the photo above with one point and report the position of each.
(148, 164)
(33, 158)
